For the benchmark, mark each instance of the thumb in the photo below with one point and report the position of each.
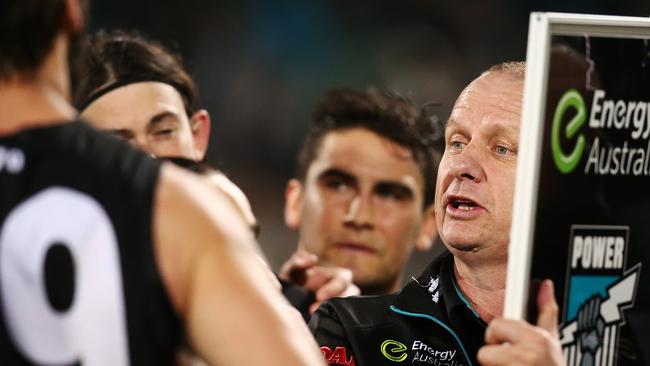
(547, 308)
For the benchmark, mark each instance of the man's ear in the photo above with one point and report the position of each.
(293, 196)
(428, 230)
(73, 21)
(200, 124)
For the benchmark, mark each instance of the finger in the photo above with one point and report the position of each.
(493, 355)
(292, 270)
(339, 281)
(547, 317)
(315, 278)
(351, 290)
(502, 330)
(313, 307)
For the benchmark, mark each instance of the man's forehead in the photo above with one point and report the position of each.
(133, 106)
(358, 146)
(365, 156)
(493, 103)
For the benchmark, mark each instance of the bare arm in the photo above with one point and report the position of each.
(208, 260)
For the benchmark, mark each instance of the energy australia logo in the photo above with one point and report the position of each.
(394, 350)
(627, 119)
(599, 288)
(421, 353)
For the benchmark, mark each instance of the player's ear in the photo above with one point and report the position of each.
(428, 230)
(293, 196)
(200, 124)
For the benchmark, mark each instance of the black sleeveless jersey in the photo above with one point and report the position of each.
(79, 283)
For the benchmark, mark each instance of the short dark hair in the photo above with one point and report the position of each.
(118, 56)
(27, 31)
(387, 114)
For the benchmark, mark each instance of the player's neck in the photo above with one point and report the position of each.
(40, 99)
(483, 286)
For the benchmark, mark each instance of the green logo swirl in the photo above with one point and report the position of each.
(567, 163)
(394, 350)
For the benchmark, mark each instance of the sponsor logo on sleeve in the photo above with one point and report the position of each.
(419, 353)
(337, 356)
(394, 350)
(598, 290)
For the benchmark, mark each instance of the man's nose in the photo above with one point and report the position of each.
(359, 213)
(466, 166)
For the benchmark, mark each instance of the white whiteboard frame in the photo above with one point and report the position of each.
(542, 27)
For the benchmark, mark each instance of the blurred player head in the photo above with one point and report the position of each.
(364, 186)
(30, 29)
(139, 90)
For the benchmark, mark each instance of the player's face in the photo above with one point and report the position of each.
(360, 207)
(475, 186)
(150, 115)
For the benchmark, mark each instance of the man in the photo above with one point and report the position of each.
(441, 317)
(91, 268)
(362, 195)
(139, 90)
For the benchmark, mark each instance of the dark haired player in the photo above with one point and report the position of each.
(362, 195)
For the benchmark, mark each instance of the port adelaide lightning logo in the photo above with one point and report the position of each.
(599, 288)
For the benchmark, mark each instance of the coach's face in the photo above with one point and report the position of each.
(361, 207)
(475, 186)
(152, 116)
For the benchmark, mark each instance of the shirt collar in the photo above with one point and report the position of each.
(435, 292)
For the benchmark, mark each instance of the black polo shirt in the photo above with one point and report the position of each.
(429, 322)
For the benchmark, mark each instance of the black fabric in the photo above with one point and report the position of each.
(414, 326)
(122, 181)
(299, 297)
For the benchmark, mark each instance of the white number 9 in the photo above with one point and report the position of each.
(91, 326)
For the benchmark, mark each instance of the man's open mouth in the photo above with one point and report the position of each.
(463, 204)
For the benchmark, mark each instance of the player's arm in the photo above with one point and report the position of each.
(233, 313)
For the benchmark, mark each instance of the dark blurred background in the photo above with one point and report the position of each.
(262, 65)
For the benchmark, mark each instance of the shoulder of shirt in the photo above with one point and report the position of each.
(359, 310)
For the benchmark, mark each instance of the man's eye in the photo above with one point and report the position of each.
(457, 145)
(164, 132)
(336, 184)
(393, 194)
(502, 150)
(122, 135)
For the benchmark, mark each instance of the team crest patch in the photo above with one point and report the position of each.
(337, 356)
(433, 287)
(599, 288)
